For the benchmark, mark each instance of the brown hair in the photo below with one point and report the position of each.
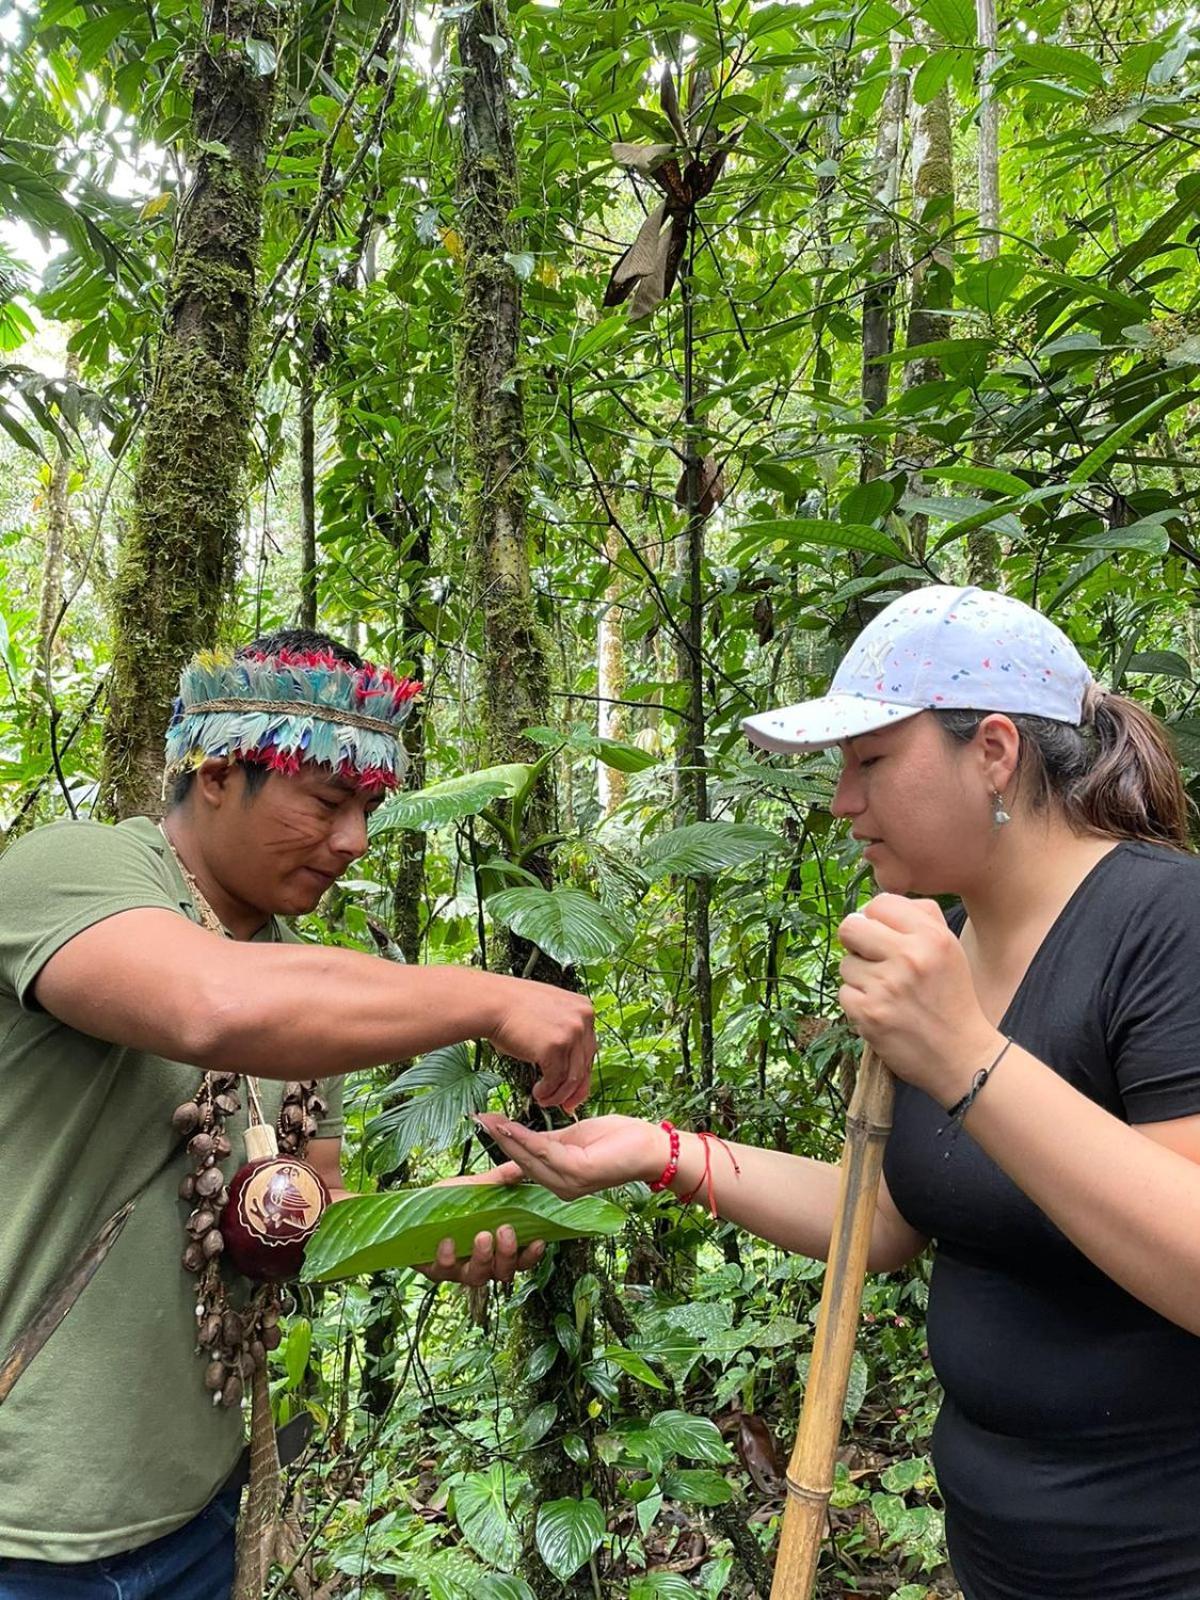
(1115, 774)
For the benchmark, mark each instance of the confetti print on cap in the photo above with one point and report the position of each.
(939, 647)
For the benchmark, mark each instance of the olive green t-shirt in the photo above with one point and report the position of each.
(109, 1439)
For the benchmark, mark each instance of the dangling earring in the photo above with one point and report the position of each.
(999, 815)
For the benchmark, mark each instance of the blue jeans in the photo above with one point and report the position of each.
(193, 1563)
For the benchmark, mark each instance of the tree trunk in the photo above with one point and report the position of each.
(932, 274)
(692, 758)
(983, 544)
(989, 133)
(878, 320)
(308, 492)
(178, 560)
(610, 679)
(492, 452)
(50, 598)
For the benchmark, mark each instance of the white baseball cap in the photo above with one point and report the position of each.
(937, 649)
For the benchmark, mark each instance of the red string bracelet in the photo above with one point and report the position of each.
(672, 1166)
(706, 1181)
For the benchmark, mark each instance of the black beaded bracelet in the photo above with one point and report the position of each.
(959, 1109)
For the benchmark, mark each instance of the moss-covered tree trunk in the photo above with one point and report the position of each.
(932, 271)
(308, 490)
(179, 557)
(882, 259)
(492, 450)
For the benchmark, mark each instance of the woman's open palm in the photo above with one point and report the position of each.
(598, 1153)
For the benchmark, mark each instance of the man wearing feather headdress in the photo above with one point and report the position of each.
(130, 956)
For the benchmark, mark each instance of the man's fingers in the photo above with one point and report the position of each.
(505, 1261)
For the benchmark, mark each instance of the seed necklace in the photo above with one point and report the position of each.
(261, 1221)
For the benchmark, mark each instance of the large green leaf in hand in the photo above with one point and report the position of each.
(404, 1228)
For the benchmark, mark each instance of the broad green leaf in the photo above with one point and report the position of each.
(868, 502)
(450, 800)
(541, 1360)
(1121, 435)
(569, 1532)
(613, 752)
(660, 1585)
(481, 1509)
(502, 1586)
(953, 19)
(697, 1486)
(536, 1425)
(297, 1349)
(441, 1090)
(702, 849)
(1167, 663)
(262, 53)
(568, 924)
(647, 1514)
(998, 508)
(636, 1366)
(902, 1476)
(624, 757)
(403, 1228)
(931, 76)
(694, 1438)
(1005, 483)
(946, 350)
(785, 532)
(988, 284)
(1057, 61)
(961, 508)
(1148, 536)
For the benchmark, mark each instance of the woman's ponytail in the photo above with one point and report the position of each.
(1132, 788)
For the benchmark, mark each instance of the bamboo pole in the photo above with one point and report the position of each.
(810, 1471)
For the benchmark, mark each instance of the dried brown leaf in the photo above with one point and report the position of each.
(642, 254)
(651, 291)
(643, 158)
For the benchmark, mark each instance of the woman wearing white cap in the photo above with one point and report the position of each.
(1047, 1130)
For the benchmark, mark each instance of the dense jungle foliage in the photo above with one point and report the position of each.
(606, 365)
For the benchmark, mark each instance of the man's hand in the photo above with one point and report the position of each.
(555, 1031)
(492, 1260)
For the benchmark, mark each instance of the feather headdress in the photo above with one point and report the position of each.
(295, 706)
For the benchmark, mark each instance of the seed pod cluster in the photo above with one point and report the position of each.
(235, 1343)
(201, 1121)
(302, 1109)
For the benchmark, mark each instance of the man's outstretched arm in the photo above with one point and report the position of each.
(151, 980)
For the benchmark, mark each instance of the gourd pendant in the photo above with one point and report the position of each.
(275, 1203)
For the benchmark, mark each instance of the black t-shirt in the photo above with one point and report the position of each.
(1068, 1448)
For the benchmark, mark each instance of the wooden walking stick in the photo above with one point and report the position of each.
(810, 1471)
